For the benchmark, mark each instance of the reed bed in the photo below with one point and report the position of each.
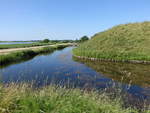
(23, 98)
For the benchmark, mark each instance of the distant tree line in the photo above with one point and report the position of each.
(57, 41)
(82, 39)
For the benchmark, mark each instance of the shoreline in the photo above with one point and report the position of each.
(113, 60)
(8, 51)
(22, 54)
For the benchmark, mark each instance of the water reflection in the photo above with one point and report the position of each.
(134, 74)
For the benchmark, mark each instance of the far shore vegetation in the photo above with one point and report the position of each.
(26, 54)
(35, 43)
(123, 43)
(82, 39)
(8, 46)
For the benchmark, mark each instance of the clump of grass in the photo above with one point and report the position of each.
(26, 54)
(51, 99)
(122, 42)
(17, 56)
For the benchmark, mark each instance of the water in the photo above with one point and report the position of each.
(61, 68)
(15, 43)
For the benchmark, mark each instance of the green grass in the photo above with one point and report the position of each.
(26, 54)
(51, 99)
(122, 42)
(8, 46)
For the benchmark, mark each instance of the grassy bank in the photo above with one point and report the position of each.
(26, 54)
(123, 42)
(8, 46)
(51, 99)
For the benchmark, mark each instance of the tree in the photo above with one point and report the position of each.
(77, 40)
(45, 40)
(84, 38)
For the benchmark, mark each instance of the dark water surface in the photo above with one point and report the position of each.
(60, 67)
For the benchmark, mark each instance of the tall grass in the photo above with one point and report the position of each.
(51, 99)
(26, 54)
(122, 42)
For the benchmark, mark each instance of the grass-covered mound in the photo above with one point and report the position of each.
(122, 42)
(52, 99)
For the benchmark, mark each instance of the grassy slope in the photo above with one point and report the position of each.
(123, 42)
(50, 99)
(26, 54)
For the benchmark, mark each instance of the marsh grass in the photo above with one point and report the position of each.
(27, 54)
(23, 98)
(123, 42)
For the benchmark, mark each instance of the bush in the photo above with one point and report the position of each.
(46, 41)
(83, 39)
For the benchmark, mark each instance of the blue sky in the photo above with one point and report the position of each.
(66, 19)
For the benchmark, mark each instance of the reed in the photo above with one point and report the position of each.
(23, 98)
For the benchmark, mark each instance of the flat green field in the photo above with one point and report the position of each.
(8, 46)
(122, 42)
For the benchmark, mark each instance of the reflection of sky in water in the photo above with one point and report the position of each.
(59, 68)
